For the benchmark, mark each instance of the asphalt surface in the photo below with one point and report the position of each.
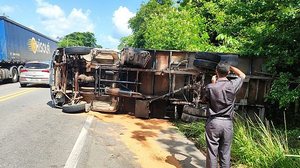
(104, 149)
(33, 134)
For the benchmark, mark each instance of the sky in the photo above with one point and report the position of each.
(107, 19)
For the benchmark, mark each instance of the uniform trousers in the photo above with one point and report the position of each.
(219, 134)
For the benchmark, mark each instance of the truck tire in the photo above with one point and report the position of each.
(57, 102)
(198, 112)
(78, 50)
(74, 108)
(15, 75)
(208, 56)
(230, 59)
(190, 118)
(205, 64)
(23, 85)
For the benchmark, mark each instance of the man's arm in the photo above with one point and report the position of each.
(237, 72)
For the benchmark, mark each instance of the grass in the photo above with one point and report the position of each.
(254, 144)
(194, 131)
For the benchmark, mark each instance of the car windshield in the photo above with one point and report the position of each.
(36, 65)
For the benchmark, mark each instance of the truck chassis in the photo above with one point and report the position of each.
(147, 83)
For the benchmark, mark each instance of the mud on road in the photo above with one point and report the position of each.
(154, 142)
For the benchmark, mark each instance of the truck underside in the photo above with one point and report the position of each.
(145, 83)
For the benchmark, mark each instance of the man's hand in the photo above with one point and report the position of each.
(214, 79)
(238, 72)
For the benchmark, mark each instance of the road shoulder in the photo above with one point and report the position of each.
(154, 142)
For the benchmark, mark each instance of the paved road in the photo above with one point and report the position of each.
(33, 134)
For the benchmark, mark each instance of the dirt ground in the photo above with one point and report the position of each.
(141, 137)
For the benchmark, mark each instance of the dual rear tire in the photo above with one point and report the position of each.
(206, 60)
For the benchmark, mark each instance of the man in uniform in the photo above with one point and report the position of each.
(220, 97)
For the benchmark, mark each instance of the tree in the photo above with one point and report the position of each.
(188, 26)
(267, 29)
(270, 29)
(79, 39)
(175, 28)
(126, 42)
(139, 23)
(215, 19)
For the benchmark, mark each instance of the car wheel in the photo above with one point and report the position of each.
(23, 85)
(208, 56)
(74, 108)
(205, 64)
(190, 118)
(199, 112)
(78, 50)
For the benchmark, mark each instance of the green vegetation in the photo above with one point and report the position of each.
(254, 144)
(260, 28)
(256, 28)
(79, 39)
(281, 92)
(194, 131)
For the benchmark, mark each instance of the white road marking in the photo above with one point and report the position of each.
(74, 156)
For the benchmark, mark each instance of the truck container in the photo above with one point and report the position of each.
(19, 44)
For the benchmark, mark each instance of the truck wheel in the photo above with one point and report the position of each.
(205, 64)
(78, 50)
(208, 56)
(58, 99)
(199, 112)
(230, 59)
(15, 75)
(74, 108)
(23, 85)
(190, 118)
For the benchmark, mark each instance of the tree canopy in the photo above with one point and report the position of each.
(79, 39)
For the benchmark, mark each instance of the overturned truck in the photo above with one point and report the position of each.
(148, 83)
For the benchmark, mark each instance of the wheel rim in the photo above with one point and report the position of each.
(15, 75)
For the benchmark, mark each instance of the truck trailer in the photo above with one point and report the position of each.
(149, 83)
(19, 44)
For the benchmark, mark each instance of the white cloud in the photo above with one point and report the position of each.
(113, 41)
(4, 9)
(120, 19)
(108, 41)
(49, 11)
(59, 24)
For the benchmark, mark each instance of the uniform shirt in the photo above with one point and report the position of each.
(221, 96)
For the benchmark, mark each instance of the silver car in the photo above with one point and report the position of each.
(35, 72)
